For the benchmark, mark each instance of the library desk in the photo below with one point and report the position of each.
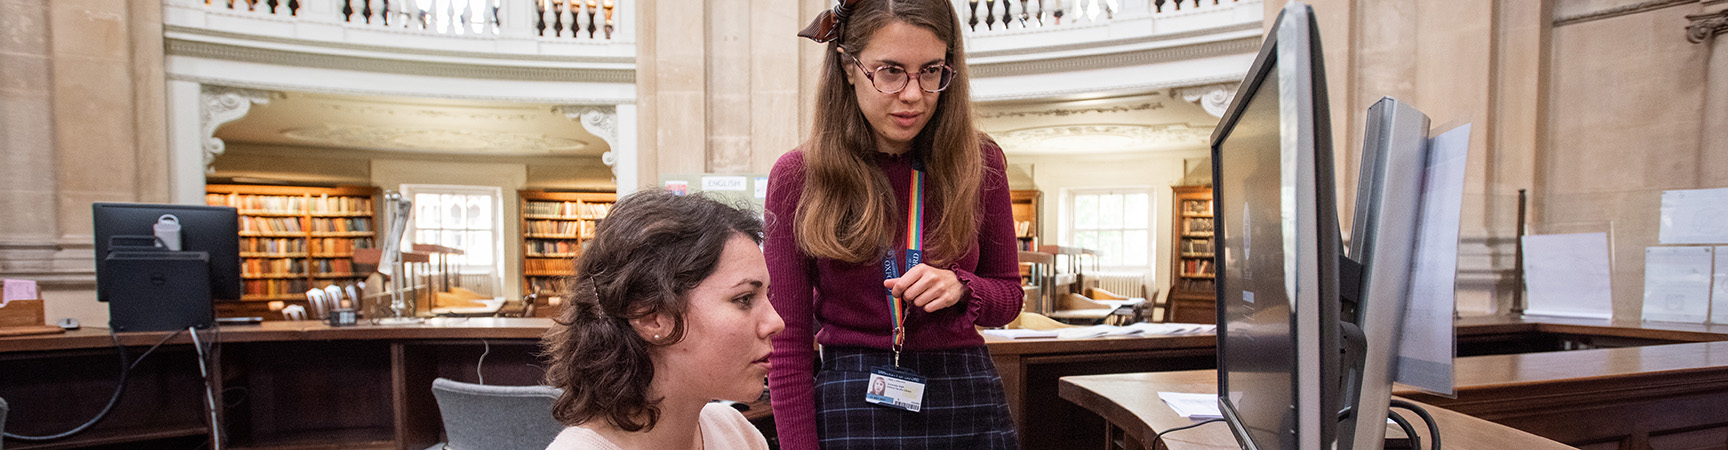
(1130, 403)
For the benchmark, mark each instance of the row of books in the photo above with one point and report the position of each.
(543, 248)
(546, 284)
(259, 203)
(1200, 207)
(1194, 284)
(1199, 225)
(273, 245)
(292, 204)
(333, 266)
(549, 265)
(285, 286)
(339, 246)
(259, 266)
(272, 224)
(1023, 228)
(567, 209)
(342, 225)
(1197, 246)
(584, 229)
(1196, 267)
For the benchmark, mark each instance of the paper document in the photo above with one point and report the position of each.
(1193, 406)
(1695, 216)
(1719, 295)
(1677, 284)
(1425, 344)
(1018, 333)
(17, 290)
(1567, 275)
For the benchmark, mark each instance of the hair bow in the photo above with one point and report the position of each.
(829, 24)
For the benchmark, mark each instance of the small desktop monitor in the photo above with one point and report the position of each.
(213, 230)
(1278, 248)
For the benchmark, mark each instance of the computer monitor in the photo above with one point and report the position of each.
(213, 230)
(1306, 333)
(1278, 248)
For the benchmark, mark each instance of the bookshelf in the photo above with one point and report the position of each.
(1192, 295)
(1025, 207)
(295, 238)
(555, 225)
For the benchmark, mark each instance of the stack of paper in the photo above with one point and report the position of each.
(1105, 330)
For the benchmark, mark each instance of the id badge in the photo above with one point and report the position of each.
(895, 388)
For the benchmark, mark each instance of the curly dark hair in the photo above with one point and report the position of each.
(646, 256)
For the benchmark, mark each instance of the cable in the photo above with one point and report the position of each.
(1409, 431)
(1161, 434)
(482, 363)
(1433, 427)
(209, 392)
(126, 366)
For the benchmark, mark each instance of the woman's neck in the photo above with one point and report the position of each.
(883, 146)
(679, 427)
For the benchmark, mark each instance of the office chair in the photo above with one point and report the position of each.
(496, 417)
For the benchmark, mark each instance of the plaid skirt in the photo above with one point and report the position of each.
(963, 406)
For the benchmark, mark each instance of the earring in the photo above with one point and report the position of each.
(656, 337)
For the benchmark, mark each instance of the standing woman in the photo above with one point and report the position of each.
(889, 238)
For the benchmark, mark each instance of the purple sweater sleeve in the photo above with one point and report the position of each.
(995, 285)
(791, 378)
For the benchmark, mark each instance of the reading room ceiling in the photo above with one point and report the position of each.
(403, 124)
(1144, 123)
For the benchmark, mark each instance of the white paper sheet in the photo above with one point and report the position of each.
(1567, 275)
(1193, 406)
(1677, 284)
(1695, 216)
(1719, 294)
(17, 290)
(1426, 343)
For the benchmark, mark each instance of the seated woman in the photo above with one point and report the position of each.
(669, 309)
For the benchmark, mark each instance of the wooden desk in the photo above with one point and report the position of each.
(1130, 403)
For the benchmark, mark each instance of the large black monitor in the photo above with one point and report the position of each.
(1278, 248)
(1307, 334)
(213, 230)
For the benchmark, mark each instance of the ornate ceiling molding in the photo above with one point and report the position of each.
(1247, 45)
(1064, 112)
(179, 47)
(193, 31)
(1246, 26)
(1214, 98)
(1106, 138)
(445, 95)
(1618, 11)
(425, 113)
(219, 105)
(433, 139)
(1131, 89)
(600, 121)
(1704, 27)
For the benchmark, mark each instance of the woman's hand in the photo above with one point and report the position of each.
(928, 287)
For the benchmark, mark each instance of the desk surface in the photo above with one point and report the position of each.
(1130, 401)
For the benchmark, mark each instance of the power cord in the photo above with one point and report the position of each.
(126, 366)
(1161, 434)
(482, 362)
(210, 403)
(1409, 431)
(1433, 427)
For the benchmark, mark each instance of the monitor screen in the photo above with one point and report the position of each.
(1255, 294)
(210, 229)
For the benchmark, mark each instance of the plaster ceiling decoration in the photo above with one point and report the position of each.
(418, 125)
(447, 140)
(1065, 112)
(1104, 138)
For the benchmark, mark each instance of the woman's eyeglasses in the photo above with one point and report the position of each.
(893, 79)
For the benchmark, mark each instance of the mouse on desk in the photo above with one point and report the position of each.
(69, 323)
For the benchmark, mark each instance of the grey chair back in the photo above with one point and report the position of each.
(496, 417)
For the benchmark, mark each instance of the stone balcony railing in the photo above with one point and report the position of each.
(535, 32)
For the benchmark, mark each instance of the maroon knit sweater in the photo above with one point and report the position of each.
(848, 298)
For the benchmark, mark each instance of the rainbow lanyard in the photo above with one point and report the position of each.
(914, 255)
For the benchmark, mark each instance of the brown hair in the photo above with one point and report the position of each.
(646, 256)
(847, 209)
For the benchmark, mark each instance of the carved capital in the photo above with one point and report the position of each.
(601, 121)
(219, 105)
(1704, 27)
(1214, 98)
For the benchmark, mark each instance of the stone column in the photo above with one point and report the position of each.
(1707, 29)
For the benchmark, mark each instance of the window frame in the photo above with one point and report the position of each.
(1068, 215)
(496, 266)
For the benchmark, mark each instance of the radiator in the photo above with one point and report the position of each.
(1127, 284)
(481, 283)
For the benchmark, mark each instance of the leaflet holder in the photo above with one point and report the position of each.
(155, 289)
